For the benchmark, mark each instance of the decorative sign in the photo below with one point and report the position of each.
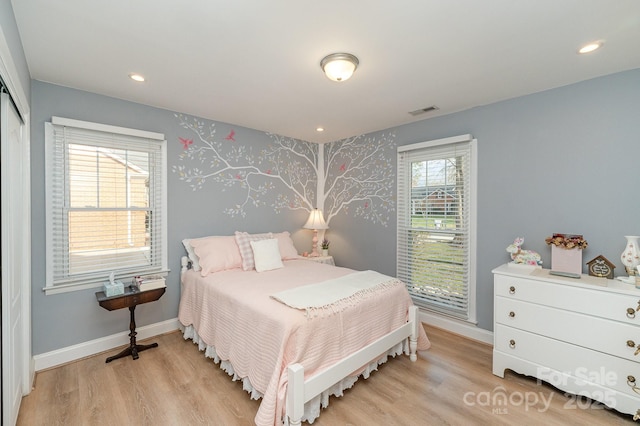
(600, 266)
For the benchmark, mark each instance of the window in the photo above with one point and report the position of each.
(106, 204)
(436, 224)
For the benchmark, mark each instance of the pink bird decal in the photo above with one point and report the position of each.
(366, 205)
(185, 142)
(268, 171)
(343, 167)
(238, 177)
(230, 136)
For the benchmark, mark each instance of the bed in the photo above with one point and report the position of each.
(293, 358)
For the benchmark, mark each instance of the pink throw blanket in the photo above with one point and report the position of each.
(232, 311)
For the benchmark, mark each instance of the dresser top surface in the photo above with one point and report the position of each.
(585, 281)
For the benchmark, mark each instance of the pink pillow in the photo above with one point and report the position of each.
(285, 244)
(217, 254)
(243, 239)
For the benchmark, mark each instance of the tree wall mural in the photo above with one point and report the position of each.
(358, 178)
(353, 176)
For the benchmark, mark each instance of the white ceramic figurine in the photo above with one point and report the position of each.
(526, 257)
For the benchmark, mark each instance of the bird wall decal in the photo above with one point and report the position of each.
(185, 142)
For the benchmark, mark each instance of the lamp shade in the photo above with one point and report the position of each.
(316, 220)
(339, 66)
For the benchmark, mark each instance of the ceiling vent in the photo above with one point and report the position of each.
(424, 110)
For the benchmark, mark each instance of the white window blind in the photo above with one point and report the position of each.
(106, 203)
(436, 225)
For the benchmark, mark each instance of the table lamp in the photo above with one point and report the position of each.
(315, 222)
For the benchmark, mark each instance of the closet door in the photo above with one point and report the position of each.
(12, 162)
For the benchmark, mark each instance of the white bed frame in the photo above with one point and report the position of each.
(300, 391)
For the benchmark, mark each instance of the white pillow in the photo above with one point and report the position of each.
(195, 264)
(266, 255)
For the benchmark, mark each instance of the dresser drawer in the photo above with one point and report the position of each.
(618, 307)
(579, 335)
(585, 365)
(600, 334)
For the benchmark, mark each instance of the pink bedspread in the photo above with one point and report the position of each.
(232, 311)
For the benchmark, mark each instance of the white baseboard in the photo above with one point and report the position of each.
(92, 347)
(455, 326)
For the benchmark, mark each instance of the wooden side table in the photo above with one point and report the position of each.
(130, 299)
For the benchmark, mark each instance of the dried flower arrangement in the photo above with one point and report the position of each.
(325, 244)
(567, 241)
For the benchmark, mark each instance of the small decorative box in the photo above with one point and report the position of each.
(566, 260)
(113, 289)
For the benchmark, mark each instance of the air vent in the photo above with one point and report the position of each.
(424, 110)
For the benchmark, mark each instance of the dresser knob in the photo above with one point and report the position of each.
(512, 290)
(512, 314)
(512, 344)
(631, 382)
(631, 313)
(631, 344)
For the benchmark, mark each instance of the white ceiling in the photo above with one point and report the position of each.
(256, 63)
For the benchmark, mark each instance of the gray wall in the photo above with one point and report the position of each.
(66, 319)
(564, 160)
(12, 37)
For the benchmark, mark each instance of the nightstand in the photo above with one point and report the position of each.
(130, 299)
(328, 260)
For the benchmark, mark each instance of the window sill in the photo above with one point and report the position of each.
(69, 287)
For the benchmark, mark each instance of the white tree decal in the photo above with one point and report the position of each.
(357, 177)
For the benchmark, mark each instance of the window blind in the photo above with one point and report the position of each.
(435, 235)
(106, 204)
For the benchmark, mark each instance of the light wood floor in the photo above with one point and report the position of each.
(451, 384)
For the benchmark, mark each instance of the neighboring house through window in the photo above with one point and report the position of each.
(436, 224)
(106, 204)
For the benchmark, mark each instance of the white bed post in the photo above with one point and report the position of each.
(413, 338)
(295, 394)
(184, 261)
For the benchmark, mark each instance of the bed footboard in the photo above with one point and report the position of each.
(300, 391)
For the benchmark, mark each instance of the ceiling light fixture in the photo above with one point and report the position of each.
(136, 77)
(319, 129)
(588, 48)
(339, 66)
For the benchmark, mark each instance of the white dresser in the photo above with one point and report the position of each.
(580, 335)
